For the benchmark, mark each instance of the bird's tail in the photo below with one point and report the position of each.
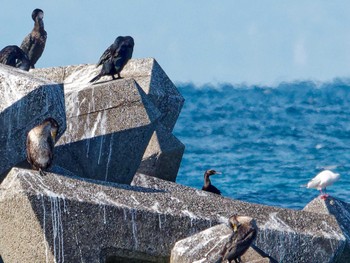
(95, 78)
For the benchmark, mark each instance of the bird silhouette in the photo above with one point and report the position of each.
(322, 180)
(15, 57)
(40, 144)
(207, 183)
(115, 57)
(34, 43)
(244, 231)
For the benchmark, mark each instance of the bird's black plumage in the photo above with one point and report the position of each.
(40, 144)
(110, 51)
(15, 57)
(244, 232)
(207, 183)
(115, 57)
(34, 43)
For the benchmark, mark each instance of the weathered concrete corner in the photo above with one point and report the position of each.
(206, 246)
(159, 88)
(163, 155)
(109, 127)
(341, 211)
(26, 102)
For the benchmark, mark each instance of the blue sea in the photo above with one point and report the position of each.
(266, 141)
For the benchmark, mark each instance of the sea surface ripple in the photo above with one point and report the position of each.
(266, 141)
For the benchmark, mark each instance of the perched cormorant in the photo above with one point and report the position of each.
(207, 183)
(115, 57)
(244, 232)
(34, 43)
(40, 144)
(322, 180)
(15, 57)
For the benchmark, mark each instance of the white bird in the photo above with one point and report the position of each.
(322, 180)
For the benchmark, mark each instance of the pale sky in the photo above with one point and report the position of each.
(253, 42)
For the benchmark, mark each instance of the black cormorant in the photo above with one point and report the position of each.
(40, 144)
(15, 57)
(115, 57)
(34, 43)
(244, 232)
(207, 183)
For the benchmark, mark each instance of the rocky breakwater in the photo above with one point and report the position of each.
(87, 212)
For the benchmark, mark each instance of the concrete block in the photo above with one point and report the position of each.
(341, 211)
(70, 219)
(163, 155)
(109, 126)
(285, 235)
(206, 246)
(146, 72)
(160, 89)
(25, 102)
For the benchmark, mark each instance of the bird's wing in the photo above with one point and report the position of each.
(318, 179)
(107, 55)
(241, 245)
(213, 189)
(4, 53)
(28, 149)
(51, 147)
(27, 43)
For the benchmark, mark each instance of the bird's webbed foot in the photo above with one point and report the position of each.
(324, 196)
(41, 172)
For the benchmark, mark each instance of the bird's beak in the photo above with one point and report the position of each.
(53, 135)
(235, 228)
(218, 173)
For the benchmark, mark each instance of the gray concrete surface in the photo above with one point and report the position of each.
(25, 102)
(163, 155)
(78, 220)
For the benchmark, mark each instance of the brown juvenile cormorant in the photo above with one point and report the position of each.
(40, 144)
(34, 43)
(244, 232)
(15, 57)
(115, 57)
(207, 183)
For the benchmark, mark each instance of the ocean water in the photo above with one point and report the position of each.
(266, 141)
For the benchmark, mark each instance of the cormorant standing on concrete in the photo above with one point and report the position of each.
(207, 183)
(34, 43)
(244, 232)
(115, 57)
(13, 55)
(40, 144)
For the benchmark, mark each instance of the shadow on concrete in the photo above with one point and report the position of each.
(20, 117)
